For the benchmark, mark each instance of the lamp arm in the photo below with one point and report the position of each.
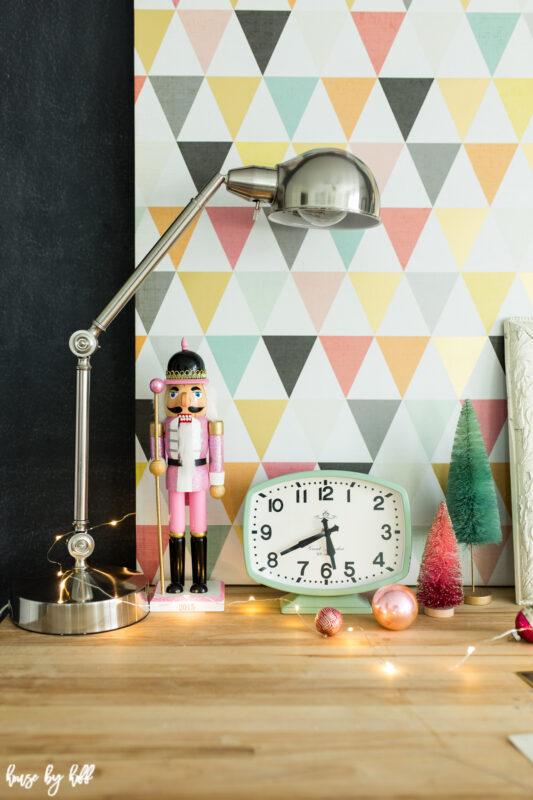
(84, 343)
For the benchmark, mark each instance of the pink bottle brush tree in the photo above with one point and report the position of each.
(440, 585)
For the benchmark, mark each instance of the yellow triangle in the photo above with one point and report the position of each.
(488, 291)
(303, 147)
(204, 290)
(517, 97)
(459, 354)
(261, 418)
(461, 227)
(349, 3)
(527, 147)
(233, 96)
(501, 473)
(490, 163)
(163, 217)
(267, 154)
(465, 4)
(239, 531)
(463, 97)
(238, 479)
(150, 28)
(527, 280)
(139, 341)
(375, 290)
(348, 97)
(441, 473)
(234, 3)
(139, 471)
(402, 354)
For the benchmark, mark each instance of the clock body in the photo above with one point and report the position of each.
(359, 527)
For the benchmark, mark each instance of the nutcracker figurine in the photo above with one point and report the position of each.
(189, 435)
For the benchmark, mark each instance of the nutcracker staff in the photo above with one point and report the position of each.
(189, 435)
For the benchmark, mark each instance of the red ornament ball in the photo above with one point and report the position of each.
(394, 606)
(524, 623)
(328, 621)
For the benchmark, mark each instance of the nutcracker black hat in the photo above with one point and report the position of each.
(186, 366)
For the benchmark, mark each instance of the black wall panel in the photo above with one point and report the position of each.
(66, 244)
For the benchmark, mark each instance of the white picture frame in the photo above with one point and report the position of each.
(518, 333)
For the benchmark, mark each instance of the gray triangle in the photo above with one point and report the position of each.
(373, 419)
(176, 96)
(406, 97)
(150, 296)
(165, 346)
(289, 354)
(289, 240)
(499, 348)
(407, 3)
(144, 415)
(262, 30)
(204, 159)
(347, 466)
(431, 291)
(433, 162)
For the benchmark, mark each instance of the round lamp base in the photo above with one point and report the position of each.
(92, 600)
(479, 597)
(439, 613)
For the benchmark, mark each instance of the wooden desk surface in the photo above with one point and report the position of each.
(252, 704)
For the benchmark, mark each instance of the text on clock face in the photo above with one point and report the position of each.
(297, 539)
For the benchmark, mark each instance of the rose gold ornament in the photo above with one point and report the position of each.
(328, 621)
(524, 623)
(394, 606)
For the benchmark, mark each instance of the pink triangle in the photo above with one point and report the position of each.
(138, 83)
(346, 354)
(147, 550)
(204, 29)
(318, 291)
(486, 558)
(274, 469)
(491, 416)
(404, 226)
(233, 226)
(175, 3)
(378, 31)
(380, 157)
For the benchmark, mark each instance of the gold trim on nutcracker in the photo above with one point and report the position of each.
(186, 374)
(176, 535)
(216, 427)
(199, 535)
(160, 429)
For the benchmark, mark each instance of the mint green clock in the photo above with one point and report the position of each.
(327, 534)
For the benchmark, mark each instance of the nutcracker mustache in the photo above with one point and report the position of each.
(190, 409)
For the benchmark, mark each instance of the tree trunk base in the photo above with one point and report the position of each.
(439, 613)
(479, 597)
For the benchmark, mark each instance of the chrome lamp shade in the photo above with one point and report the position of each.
(323, 188)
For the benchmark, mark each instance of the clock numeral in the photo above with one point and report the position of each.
(326, 571)
(276, 504)
(388, 532)
(349, 569)
(325, 493)
(379, 503)
(301, 496)
(266, 532)
(379, 561)
(272, 560)
(304, 566)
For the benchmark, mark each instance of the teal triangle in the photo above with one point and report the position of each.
(291, 96)
(347, 243)
(492, 32)
(232, 354)
(261, 290)
(430, 418)
(216, 537)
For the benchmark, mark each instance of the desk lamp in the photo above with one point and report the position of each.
(323, 188)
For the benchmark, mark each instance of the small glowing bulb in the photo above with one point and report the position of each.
(389, 668)
(59, 574)
(296, 608)
(350, 629)
(113, 522)
(251, 598)
(58, 538)
(470, 650)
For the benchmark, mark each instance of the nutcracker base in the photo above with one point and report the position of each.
(92, 600)
(185, 602)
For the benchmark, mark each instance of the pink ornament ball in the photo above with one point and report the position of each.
(157, 385)
(524, 623)
(394, 606)
(328, 621)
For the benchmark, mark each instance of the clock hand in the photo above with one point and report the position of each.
(330, 549)
(303, 543)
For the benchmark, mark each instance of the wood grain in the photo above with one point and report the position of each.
(253, 704)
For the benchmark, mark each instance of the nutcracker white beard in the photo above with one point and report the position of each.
(186, 450)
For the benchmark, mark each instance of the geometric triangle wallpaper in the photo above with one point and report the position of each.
(337, 348)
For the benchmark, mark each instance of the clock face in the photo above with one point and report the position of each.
(327, 532)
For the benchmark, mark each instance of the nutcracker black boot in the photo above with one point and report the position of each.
(176, 551)
(199, 563)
